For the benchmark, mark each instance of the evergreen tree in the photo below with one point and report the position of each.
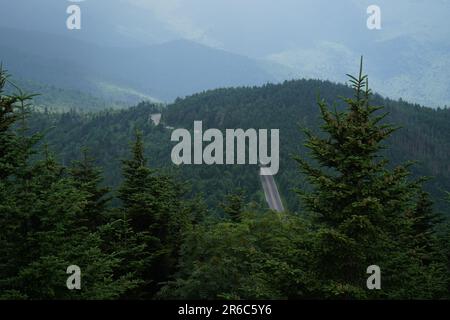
(444, 249)
(137, 190)
(40, 234)
(152, 203)
(15, 148)
(265, 255)
(233, 205)
(87, 178)
(360, 204)
(423, 227)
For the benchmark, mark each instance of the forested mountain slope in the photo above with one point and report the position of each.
(424, 136)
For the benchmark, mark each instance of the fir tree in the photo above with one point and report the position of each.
(87, 178)
(360, 204)
(152, 203)
(40, 234)
(423, 228)
(137, 190)
(233, 205)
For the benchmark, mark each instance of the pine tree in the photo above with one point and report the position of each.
(40, 234)
(87, 178)
(15, 148)
(360, 204)
(152, 203)
(233, 205)
(50, 238)
(14, 152)
(423, 227)
(136, 192)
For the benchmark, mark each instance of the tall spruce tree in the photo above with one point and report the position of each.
(152, 202)
(359, 203)
(137, 190)
(87, 178)
(40, 234)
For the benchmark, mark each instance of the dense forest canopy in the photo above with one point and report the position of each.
(290, 106)
(98, 190)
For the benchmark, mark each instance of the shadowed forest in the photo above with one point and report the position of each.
(364, 180)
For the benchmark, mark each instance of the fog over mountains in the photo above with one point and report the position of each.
(158, 72)
(129, 50)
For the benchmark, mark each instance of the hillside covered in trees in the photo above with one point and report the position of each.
(291, 107)
(99, 191)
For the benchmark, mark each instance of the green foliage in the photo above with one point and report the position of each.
(152, 203)
(154, 238)
(50, 220)
(363, 208)
(87, 178)
(264, 256)
(234, 205)
(425, 137)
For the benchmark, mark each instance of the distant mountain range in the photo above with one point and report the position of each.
(163, 72)
(156, 72)
(129, 50)
(400, 67)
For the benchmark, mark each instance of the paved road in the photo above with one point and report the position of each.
(271, 192)
(267, 180)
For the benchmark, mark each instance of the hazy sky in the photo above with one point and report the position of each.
(409, 57)
(256, 28)
(261, 27)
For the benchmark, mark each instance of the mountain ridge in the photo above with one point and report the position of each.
(163, 71)
(288, 106)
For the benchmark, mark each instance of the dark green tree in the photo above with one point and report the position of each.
(88, 179)
(264, 255)
(40, 234)
(152, 202)
(360, 204)
(424, 221)
(137, 190)
(233, 205)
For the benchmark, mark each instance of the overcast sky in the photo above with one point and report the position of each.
(256, 28)
(261, 27)
(409, 57)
